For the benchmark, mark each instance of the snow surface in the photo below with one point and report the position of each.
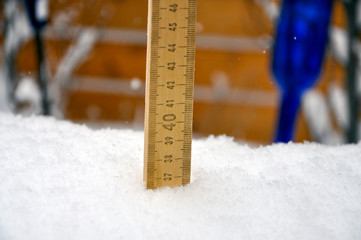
(59, 180)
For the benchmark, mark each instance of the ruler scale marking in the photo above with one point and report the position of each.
(169, 99)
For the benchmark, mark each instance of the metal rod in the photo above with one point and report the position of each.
(351, 81)
(42, 73)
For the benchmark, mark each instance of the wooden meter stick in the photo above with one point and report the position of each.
(169, 92)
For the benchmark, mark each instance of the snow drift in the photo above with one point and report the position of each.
(64, 181)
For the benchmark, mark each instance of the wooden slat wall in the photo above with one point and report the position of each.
(246, 71)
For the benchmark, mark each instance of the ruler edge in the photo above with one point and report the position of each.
(191, 35)
(147, 97)
(189, 97)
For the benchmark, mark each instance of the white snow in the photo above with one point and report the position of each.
(338, 100)
(28, 91)
(75, 55)
(42, 10)
(19, 28)
(136, 84)
(17, 32)
(317, 114)
(339, 45)
(64, 181)
(272, 9)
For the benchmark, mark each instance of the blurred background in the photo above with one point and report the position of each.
(95, 56)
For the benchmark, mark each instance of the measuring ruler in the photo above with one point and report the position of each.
(169, 92)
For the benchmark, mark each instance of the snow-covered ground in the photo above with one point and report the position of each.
(64, 181)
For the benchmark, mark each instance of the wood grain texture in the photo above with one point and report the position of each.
(169, 92)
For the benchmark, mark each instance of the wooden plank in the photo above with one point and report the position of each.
(241, 70)
(227, 17)
(254, 124)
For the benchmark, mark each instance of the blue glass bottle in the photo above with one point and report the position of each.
(298, 53)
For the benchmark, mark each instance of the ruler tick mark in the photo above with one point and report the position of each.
(179, 83)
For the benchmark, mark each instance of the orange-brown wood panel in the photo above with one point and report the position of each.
(230, 17)
(248, 70)
(107, 107)
(26, 58)
(103, 13)
(240, 121)
(115, 61)
(245, 70)
(233, 17)
(106, 60)
(240, 70)
(333, 72)
(339, 14)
